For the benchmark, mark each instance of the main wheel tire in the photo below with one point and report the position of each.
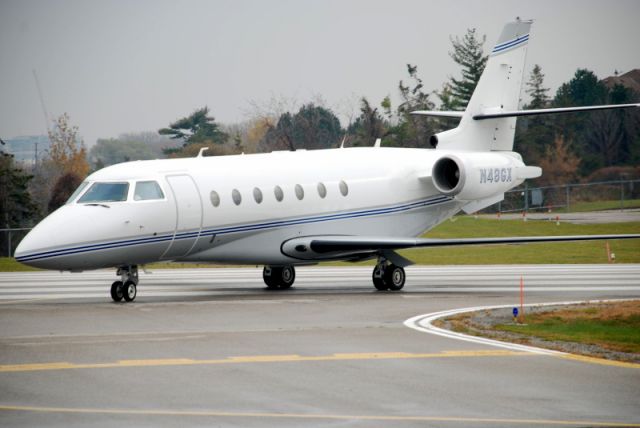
(117, 291)
(287, 277)
(270, 276)
(378, 279)
(395, 277)
(130, 290)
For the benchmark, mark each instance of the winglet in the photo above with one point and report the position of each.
(377, 143)
(201, 152)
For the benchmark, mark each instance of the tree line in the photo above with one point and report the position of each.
(601, 145)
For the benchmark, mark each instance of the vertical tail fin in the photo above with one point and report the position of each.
(497, 90)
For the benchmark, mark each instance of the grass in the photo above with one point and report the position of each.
(612, 326)
(9, 264)
(626, 251)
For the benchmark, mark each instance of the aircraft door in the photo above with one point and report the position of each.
(188, 216)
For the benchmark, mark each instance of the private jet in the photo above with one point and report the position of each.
(292, 208)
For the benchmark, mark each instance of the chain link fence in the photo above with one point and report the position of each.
(601, 195)
(10, 238)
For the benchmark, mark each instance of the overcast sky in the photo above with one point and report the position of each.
(126, 66)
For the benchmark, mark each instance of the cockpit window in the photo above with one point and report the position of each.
(105, 192)
(147, 190)
(79, 190)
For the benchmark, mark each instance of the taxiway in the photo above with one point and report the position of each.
(212, 347)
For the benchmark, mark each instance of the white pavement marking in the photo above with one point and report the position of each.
(619, 278)
(424, 323)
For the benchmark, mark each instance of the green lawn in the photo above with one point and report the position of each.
(614, 326)
(626, 251)
(9, 264)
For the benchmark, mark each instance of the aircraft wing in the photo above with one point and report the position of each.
(337, 247)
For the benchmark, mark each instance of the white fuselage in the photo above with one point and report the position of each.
(384, 197)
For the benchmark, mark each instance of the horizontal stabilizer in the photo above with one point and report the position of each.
(516, 113)
(435, 113)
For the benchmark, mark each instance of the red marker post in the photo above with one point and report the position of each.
(521, 316)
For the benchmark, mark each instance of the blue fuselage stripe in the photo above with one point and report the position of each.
(233, 229)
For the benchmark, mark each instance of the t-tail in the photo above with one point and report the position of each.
(489, 121)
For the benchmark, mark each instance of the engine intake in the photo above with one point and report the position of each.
(448, 175)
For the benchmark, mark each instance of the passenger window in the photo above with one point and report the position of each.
(277, 191)
(344, 189)
(322, 190)
(299, 192)
(105, 192)
(147, 190)
(257, 195)
(237, 197)
(215, 198)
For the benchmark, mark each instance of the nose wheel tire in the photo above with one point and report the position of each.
(279, 277)
(127, 288)
(117, 291)
(130, 290)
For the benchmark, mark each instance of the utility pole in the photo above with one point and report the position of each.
(44, 108)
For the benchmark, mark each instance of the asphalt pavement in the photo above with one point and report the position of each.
(213, 347)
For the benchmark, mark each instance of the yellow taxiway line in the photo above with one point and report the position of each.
(12, 368)
(35, 367)
(317, 416)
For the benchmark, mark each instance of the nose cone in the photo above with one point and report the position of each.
(28, 245)
(33, 248)
(45, 244)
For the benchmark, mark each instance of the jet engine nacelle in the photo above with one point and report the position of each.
(472, 176)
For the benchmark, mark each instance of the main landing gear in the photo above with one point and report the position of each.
(127, 287)
(279, 277)
(387, 276)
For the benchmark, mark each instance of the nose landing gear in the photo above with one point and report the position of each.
(279, 277)
(127, 287)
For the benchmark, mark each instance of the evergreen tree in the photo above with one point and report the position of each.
(536, 90)
(535, 134)
(582, 90)
(17, 208)
(468, 53)
(198, 127)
